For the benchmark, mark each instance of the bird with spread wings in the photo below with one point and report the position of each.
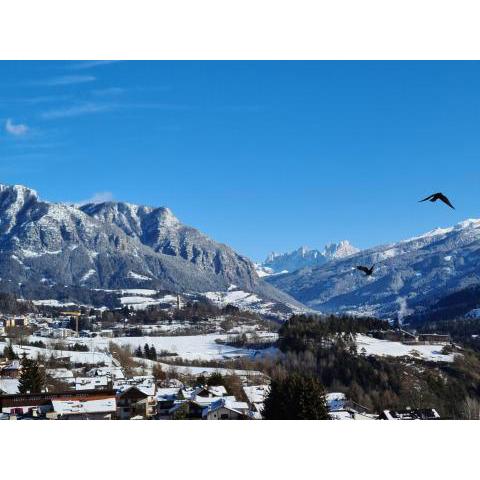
(367, 271)
(438, 196)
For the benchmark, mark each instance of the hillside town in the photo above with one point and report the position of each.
(60, 364)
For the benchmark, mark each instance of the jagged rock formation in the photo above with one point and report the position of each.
(113, 245)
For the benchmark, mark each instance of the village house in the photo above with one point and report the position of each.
(116, 373)
(98, 407)
(89, 403)
(63, 374)
(166, 398)
(256, 395)
(12, 369)
(92, 383)
(341, 408)
(135, 402)
(200, 403)
(11, 322)
(62, 332)
(217, 409)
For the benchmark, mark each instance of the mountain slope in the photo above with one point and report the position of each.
(114, 245)
(409, 275)
(160, 230)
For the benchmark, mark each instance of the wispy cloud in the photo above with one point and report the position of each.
(65, 80)
(15, 129)
(93, 107)
(98, 197)
(76, 111)
(43, 99)
(87, 65)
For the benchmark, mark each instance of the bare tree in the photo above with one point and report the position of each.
(124, 355)
(471, 409)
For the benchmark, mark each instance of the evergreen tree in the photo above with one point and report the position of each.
(296, 397)
(146, 350)
(153, 353)
(9, 353)
(32, 379)
(215, 379)
(138, 352)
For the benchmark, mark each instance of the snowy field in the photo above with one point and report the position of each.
(207, 371)
(248, 301)
(374, 346)
(76, 357)
(191, 347)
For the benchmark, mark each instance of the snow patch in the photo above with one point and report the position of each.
(137, 276)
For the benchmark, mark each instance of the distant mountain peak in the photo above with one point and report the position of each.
(340, 250)
(305, 257)
(409, 276)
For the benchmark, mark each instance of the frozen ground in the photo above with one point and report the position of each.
(191, 347)
(374, 346)
(76, 357)
(188, 370)
(251, 302)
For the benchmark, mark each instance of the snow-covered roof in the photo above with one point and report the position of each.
(59, 373)
(256, 393)
(9, 386)
(167, 393)
(409, 414)
(218, 391)
(341, 415)
(88, 383)
(147, 389)
(13, 365)
(102, 405)
(236, 405)
(335, 401)
(115, 372)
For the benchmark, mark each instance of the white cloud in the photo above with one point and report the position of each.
(18, 129)
(66, 80)
(75, 111)
(86, 65)
(98, 197)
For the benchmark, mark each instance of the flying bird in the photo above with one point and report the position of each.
(367, 271)
(438, 196)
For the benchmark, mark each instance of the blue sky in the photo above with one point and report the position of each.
(260, 155)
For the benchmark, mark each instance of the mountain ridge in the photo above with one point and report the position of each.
(306, 257)
(114, 245)
(409, 274)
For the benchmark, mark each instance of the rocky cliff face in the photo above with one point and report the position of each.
(161, 231)
(113, 245)
(305, 257)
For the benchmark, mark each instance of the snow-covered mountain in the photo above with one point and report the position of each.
(305, 257)
(409, 275)
(113, 245)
